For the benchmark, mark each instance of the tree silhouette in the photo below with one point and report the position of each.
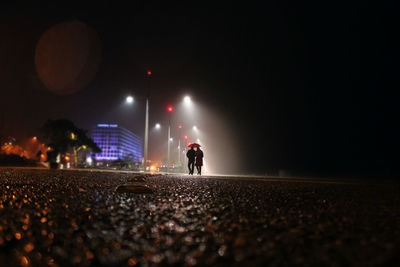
(62, 134)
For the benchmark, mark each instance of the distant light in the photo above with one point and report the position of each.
(198, 140)
(89, 161)
(187, 100)
(171, 139)
(102, 125)
(158, 126)
(129, 99)
(34, 138)
(149, 73)
(170, 108)
(195, 128)
(180, 126)
(186, 137)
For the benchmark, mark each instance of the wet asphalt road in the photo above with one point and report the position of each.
(71, 218)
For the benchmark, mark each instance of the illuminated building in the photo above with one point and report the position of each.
(117, 142)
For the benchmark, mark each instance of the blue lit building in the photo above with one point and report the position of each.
(117, 142)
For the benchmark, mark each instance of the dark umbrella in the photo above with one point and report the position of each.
(194, 145)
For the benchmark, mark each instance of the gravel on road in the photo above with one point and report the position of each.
(78, 218)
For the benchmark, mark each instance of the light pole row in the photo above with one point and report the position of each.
(158, 126)
(130, 100)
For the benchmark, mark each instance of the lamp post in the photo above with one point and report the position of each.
(129, 100)
(186, 143)
(169, 109)
(146, 126)
(179, 145)
(179, 151)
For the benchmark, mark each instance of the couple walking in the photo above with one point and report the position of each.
(195, 158)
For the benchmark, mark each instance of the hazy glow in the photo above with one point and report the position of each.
(187, 100)
(171, 139)
(202, 124)
(158, 126)
(129, 99)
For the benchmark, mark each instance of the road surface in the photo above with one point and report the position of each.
(67, 218)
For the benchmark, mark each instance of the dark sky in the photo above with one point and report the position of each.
(303, 85)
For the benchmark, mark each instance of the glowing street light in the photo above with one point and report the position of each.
(187, 100)
(158, 126)
(195, 128)
(171, 139)
(129, 99)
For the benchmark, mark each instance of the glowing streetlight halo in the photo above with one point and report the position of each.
(129, 99)
(187, 100)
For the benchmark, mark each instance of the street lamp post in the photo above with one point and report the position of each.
(179, 151)
(185, 142)
(179, 144)
(146, 136)
(169, 141)
(169, 109)
(146, 126)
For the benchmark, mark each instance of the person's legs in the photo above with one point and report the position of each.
(198, 169)
(191, 167)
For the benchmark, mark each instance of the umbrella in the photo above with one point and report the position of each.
(194, 145)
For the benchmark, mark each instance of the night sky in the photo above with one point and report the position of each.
(307, 86)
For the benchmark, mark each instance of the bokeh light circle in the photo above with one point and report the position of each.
(67, 57)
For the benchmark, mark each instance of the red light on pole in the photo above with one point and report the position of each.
(170, 108)
(149, 73)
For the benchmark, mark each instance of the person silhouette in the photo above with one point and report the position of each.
(191, 155)
(199, 160)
